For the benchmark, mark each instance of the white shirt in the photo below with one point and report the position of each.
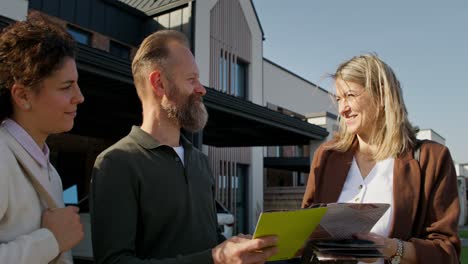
(180, 152)
(377, 187)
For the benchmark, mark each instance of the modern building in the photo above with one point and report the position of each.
(462, 169)
(227, 40)
(287, 167)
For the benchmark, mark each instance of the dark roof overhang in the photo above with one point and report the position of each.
(111, 107)
(237, 122)
(300, 164)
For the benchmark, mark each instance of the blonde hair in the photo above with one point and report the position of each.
(393, 133)
(154, 53)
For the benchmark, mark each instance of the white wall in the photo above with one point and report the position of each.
(326, 120)
(290, 91)
(431, 135)
(202, 38)
(14, 9)
(255, 67)
(255, 88)
(464, 169)
(461, 169)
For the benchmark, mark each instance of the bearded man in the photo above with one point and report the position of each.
(152, 193)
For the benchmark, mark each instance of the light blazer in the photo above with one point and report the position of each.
(426, 206)
(22, 240)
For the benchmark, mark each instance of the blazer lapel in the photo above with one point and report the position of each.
(406, 190)
(335, 174)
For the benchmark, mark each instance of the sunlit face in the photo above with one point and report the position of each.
(183, 101)
(355, 108)
(53, 107)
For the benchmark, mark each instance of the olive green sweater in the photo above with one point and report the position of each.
(148, 207)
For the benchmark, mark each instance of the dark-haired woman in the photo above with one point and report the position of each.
(39, 95)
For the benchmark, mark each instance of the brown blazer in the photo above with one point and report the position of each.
(426, 205)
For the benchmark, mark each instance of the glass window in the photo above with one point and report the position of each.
(232, 75)
(221, 75)
(81, 36)
(241, 198)
(240, 88)
(225, 74)
(302, 179)
(119, 50)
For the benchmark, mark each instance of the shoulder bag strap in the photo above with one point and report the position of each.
(43, 194)
(41, 191)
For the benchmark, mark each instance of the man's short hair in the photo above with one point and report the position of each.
(154, 53)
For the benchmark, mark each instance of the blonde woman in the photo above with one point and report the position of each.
(371, 159)
(39, 95)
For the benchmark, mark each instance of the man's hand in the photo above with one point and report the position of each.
(66, 226)
(243, 250)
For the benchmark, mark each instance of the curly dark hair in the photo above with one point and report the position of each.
(31, 51)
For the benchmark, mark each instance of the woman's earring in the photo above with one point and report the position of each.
(27, 106)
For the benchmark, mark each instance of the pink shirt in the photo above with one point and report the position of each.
(41, 156)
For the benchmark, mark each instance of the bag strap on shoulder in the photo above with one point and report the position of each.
(41, 191)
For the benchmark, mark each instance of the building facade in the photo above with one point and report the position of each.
(227, 40)
(287, 167)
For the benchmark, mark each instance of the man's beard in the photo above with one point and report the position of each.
(189, 112)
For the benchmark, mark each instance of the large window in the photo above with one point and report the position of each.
(233, 78)
(81, 36)
(223, 72)
(240, 85)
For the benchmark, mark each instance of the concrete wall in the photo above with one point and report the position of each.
(14, 9)
(290, 91)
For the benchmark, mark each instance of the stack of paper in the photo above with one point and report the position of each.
(328, 227)
(344, 249)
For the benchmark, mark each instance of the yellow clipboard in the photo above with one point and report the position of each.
(292, 228)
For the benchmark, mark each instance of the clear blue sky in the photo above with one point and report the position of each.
(424, 41)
